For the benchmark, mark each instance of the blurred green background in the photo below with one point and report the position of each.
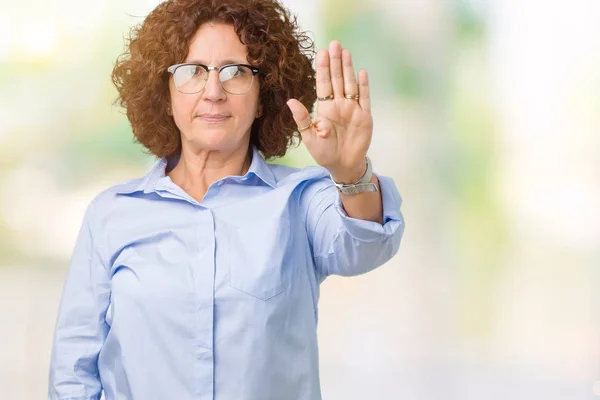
(486, 116)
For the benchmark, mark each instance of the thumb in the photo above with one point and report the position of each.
(301, 116)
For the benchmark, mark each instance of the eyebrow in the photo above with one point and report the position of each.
(224, 62)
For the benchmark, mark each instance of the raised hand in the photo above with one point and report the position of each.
(340, 135)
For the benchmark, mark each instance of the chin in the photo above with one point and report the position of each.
(213, 139)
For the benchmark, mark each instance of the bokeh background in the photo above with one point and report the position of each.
(487, 115)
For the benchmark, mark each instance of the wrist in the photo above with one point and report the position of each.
(349, 176)
(355, 186)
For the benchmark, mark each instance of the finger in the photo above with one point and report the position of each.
(301, 117)
(322, 128)
(335, 68)
(324, 88)
(364, 91)
(350, 86)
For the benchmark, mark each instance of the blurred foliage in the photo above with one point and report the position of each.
(382, 52)
(470, 180)
(470, 23)
(391, 73)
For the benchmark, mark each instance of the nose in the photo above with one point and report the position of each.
(213, 90)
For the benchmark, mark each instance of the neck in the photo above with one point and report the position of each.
(196, 171)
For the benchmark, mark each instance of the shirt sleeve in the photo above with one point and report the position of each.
(348, 246)
(81, 327)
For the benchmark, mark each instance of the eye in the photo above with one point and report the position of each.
(229, 72)
(197, 70)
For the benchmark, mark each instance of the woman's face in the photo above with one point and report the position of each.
(214, 119)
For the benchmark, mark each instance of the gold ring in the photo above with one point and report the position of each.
(330, 97)
(305, 128)
(352, 96)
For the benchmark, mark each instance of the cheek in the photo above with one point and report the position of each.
(183, 107)
(251, 104)
(180, 103)
(250, 109)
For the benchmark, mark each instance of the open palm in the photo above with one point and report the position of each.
(340, 135)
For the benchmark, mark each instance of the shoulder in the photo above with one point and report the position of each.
(104, 201)
(286, 175)
(306, 184)
(126, 187)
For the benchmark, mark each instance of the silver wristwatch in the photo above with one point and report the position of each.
(362, 185)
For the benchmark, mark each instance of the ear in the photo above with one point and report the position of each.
(259, 111)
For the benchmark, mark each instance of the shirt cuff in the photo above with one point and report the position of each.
(370, 231)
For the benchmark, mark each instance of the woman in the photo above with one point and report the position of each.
(201, 279)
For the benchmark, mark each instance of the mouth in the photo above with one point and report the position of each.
(213, 118)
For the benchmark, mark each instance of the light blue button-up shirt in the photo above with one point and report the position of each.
(170, 298)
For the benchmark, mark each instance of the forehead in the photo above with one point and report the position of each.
(216, 44)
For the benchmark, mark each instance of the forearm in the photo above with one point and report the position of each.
(344, 239)
(366, 205)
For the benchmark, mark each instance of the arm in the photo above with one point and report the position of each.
(347, 246)
(365, 205)
(338, 140)
(80, 327)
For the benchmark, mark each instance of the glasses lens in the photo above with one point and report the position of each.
(236, 79)
(189, 78)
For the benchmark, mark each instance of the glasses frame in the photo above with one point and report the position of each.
(173, 68)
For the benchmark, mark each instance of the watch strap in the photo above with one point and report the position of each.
(360, 186)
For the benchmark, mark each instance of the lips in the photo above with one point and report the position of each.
(213, 117)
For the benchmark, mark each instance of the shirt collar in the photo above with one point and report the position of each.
(260, 168)
(155, 178)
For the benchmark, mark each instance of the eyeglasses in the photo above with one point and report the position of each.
(191, 78)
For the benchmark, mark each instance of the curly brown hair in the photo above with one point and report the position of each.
(283, 53)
